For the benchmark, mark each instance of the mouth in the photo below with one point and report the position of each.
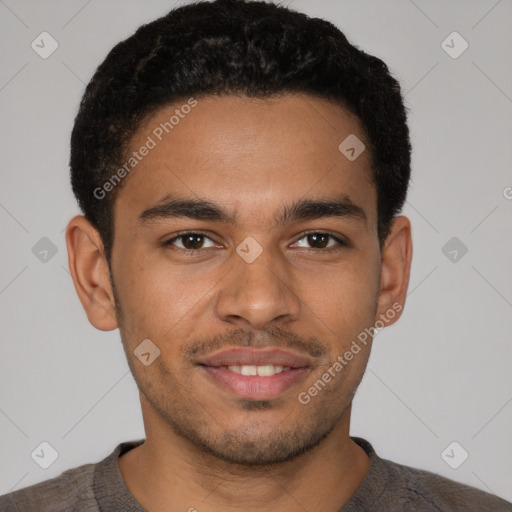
(256, 374)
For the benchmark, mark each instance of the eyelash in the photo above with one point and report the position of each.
(193, 252)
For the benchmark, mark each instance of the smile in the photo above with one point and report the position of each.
(266, 370)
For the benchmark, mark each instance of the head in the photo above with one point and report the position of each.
(228, 121)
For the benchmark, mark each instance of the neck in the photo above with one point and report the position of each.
(167, 473)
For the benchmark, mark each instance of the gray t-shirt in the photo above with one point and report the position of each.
(388, 487)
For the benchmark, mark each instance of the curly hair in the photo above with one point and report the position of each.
(233, 47)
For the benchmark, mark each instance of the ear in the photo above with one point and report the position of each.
(395, 270)
(89, 270)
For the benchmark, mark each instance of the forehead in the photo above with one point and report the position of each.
(249, 155)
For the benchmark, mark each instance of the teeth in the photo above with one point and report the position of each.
(248, 370)
(263, 371)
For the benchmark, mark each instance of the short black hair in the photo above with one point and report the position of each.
(233, 47)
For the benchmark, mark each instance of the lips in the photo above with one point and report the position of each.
(256, 374)
(257, 357)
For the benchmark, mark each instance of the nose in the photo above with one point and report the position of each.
(258, 293)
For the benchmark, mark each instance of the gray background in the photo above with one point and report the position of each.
(441, 374)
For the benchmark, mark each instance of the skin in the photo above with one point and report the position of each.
(249, 156)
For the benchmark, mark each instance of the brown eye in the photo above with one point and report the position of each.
(190, 241)
(193, 241)
(319, 241)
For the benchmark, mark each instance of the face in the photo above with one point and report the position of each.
(246, 229)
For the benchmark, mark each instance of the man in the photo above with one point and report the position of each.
(241, 168)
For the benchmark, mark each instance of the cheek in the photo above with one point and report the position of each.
(343, 296)
(159, 299)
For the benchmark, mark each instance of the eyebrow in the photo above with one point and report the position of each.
(172, 206)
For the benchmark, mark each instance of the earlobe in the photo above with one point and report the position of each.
(89, 270)
(395, 270)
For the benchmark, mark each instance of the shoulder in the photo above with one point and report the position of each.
(440, 493)
(392, 487)
(72, 490)
(81, 488)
